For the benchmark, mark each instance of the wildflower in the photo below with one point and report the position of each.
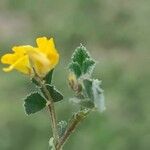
(28, 59)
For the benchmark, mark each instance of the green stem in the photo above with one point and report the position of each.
(76, 119)
(51, 108)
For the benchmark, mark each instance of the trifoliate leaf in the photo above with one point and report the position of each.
(54, 93)
(75, 68)
(88, 66)
(34, 103)
(61, 127)
(48, 77)
(98, 95)
(80, 55)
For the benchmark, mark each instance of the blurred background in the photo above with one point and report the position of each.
(117, 34)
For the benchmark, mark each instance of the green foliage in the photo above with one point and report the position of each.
(88, 88)
(81, 63)
(75, 68)
(48, 77)
(80, 55)
(54, 93)
(88, 66)
(34, 103)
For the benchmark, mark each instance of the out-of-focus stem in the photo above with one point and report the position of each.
(76, 119)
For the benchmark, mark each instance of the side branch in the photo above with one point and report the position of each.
(76, 119)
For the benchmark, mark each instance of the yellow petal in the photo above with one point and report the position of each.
(53, 58)
(9, 59)
(18, 60)
(41, 42)
(22, 65)
(46, 46)
(39, 61)
(21, 50)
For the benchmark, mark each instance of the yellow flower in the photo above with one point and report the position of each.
(42, 58)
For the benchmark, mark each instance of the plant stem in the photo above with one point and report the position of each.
(76, 119)
(66, 135)
(51, 108)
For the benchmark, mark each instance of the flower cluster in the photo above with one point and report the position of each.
(30, 60)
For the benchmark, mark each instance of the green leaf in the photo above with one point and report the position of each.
(88, 88)
(48, 77)
(82, 63)
(88, 66)
(80, 55)
(34, 103)
(75, 68)
(55, 94)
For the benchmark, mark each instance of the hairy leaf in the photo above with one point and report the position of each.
(54, 93)
(48, 77)
(82, 63)
(88, 66)
(34, 103)
(88, 88)
(75, 68)
(80, 55)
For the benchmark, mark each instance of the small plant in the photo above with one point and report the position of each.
(39, 64)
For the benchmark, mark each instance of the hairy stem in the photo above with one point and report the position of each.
(53, 120)
(76, 119)
(51, 108)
